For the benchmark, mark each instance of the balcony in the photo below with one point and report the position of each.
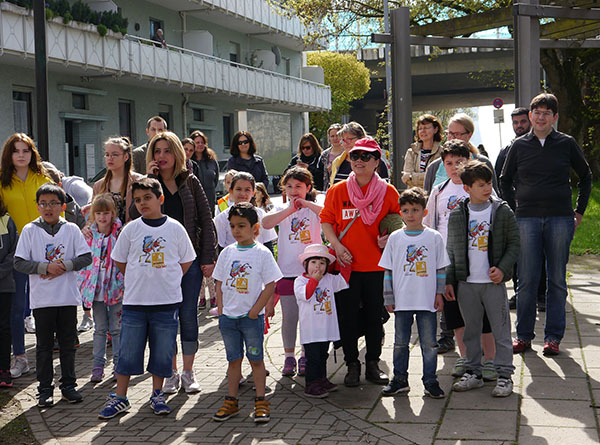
(81, 46)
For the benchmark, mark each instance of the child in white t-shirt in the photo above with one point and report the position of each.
(414, 260)
(153, 252)
(314, 291)
(51, 250)
(245, 276)
(299, 226)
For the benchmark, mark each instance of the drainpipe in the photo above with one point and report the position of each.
(184, 112)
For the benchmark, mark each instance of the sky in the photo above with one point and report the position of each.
(488, 133)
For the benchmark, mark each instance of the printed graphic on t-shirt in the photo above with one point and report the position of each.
(299, 230)
(237, 276)
(415, 261)
(323, 301)
(348, 213)
(454, 201)
(152, 251)
(478, 234)
(55, 253)
(103, 252)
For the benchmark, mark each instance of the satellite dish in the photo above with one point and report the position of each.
(277, 53)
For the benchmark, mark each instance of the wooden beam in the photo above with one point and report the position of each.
(466, 25)
(570, 28)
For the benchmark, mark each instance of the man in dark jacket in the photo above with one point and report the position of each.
(536, 176)
(155, 124)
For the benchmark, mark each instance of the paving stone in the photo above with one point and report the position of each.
(420, 433)
(479, 425)
(407, 409)
(539, 435)
(561, 413)
(540, 387)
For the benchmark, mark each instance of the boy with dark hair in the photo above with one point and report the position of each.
(483, 245)
(153, 253)
(245, 277)
(51, 250)
(414, 260)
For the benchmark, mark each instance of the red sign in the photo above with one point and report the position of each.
(497, 103)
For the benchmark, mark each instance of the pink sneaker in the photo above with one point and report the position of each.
(213, 311)
(289, 367)
(301, 366)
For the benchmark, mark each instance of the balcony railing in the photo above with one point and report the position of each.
(81, 45)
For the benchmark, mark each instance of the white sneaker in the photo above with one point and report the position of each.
(86, 324)
(171, 385)
(188, 382)
(468, 381)
(19, 367)
(30, 325)
(503, 387)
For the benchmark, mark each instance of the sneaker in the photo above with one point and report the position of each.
(171, 385)
(29, 324)
(353, 376)
(330, 387)
(45, 398)
(434, 391)
(459, 368)
(503, 387)
(520, 345)
(202, 303)
(86, 324)
(189, 383)
(229, 409)
(71, 395)
(302, 366)
(489, 371)
(262, 412)
(375, 375)
(315, 389)
(97, 374)
(467, 382)
(19, 367)
(114, 406)
(289, 367)
(512, 302)
(158, 403)
(396, 386)
(5, 379)
(213, 312)
(445, 344)
(213, 302)
(551, 347)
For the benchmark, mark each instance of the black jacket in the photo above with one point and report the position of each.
(255, 166)
(314, 167)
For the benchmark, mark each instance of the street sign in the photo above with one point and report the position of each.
(498, 116)
(497, 103)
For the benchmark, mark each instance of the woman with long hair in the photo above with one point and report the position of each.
(425, 150)
(244, 158)
(208, 168)
(21, 174)
(309, 152)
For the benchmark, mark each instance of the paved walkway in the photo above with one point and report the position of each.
(553, 401)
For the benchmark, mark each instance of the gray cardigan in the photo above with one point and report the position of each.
(7, 251)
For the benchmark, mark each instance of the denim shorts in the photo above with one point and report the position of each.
(237, 331)
(160, 328)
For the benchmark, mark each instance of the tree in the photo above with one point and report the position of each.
(349, 80)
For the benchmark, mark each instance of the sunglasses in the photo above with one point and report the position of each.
(362, 155)
(243, 142)
(306, 147)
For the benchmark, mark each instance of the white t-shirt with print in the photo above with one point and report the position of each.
(479, 230)
(448, 200)
(153, 256)
(243, 273)
(35, 244)
(414, 261)
(300, 229)
(224, 236)
(318, 315)
(102, 270)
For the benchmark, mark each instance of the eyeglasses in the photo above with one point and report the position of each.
(243, 142)
(350, 139)
(48, 205)
(112, 155)
(362, 155)
(453, 135)
(537, 113)
(306, 147)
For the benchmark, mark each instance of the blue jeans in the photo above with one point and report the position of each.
(188, 312)
(17, 311)
(239, 331)
(160, 329)
(106, 319)
(426, 325)
(550, 236)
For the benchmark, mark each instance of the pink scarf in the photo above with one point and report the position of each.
(369, 205)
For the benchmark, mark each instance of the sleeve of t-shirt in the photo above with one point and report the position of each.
(270, 270)
(300, 289)
(221, 226)
(387, 257)
(121, 250)
(393, 196)
(339, 283)
(327, 214)
(442, 259)
(186, 248)
(219, 272)
(81, 245)
(265, 235)
(24, 245)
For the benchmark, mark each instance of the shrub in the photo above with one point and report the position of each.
(102, 30)
(81, 12)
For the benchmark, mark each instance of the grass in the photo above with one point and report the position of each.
(14, 428)
(587, 236)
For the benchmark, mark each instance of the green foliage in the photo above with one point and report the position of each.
(67, 18)
(81, 11)
(102, 29)
(49, 14)
(587, 235)
(349, 80)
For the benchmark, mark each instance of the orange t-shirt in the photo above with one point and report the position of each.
(360, 240)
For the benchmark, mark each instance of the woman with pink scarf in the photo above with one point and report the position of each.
(353, 210)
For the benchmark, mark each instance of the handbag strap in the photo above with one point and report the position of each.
(356, 215)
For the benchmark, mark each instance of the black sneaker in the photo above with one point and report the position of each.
(512, 302)
(445, 344)
(45, 398)
(396, 386)
(71, 395)
(434, 391)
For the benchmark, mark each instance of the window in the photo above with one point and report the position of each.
(126, 119)
(22, 112)
(234, 51)
(198, 115)
(79, 101)
(227, 126)
(156, 24)
(164, 111)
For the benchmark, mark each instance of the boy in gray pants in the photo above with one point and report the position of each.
(483, 244)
